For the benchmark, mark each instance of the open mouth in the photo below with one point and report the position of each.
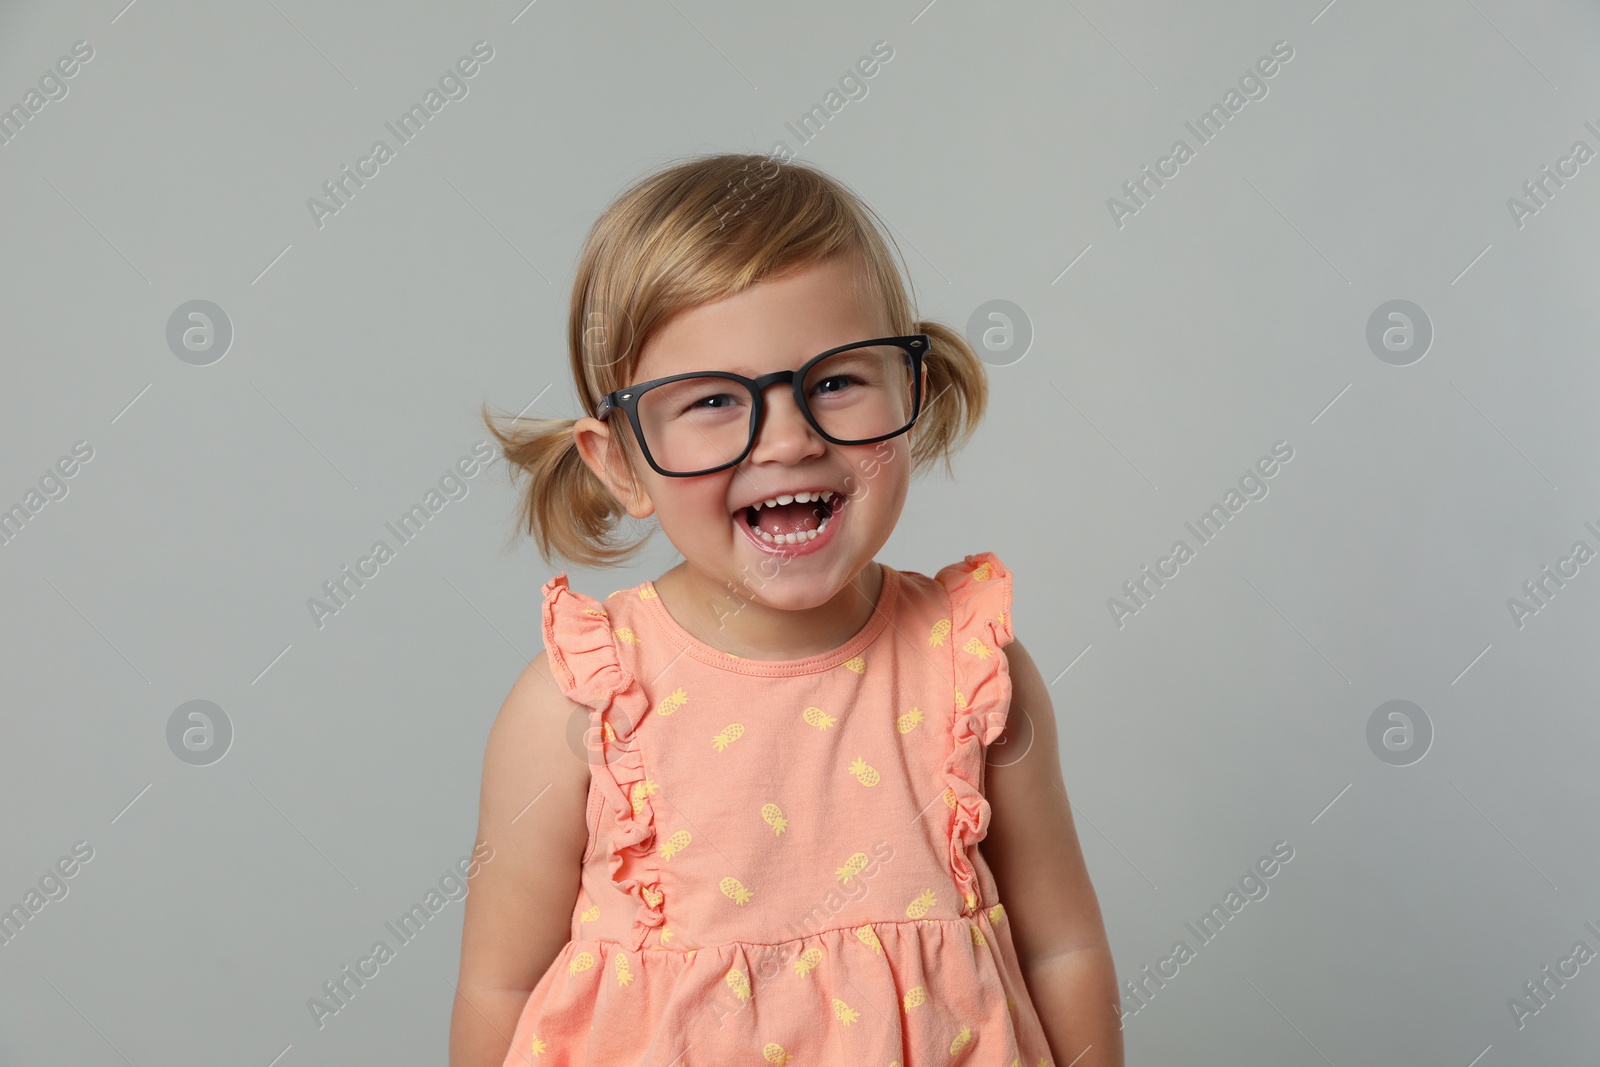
(791, 520)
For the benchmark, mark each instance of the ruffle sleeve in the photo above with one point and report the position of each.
(582, 649)
(979, 627)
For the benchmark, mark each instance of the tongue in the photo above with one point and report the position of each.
(791, 518)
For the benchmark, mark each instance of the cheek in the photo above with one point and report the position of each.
(883, 467)
(694, 505)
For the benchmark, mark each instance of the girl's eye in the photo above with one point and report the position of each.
(837, 382)
(711, 403)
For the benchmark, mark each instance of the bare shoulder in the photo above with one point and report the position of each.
(1030, 724)
(532, 811)
(537, 738)
(1032, 844)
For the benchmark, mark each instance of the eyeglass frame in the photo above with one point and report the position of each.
(914, 345)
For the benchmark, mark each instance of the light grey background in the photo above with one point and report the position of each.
(1229, 313)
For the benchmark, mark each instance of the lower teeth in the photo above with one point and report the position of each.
(794, 538)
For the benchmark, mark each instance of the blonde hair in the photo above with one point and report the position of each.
(690, 234)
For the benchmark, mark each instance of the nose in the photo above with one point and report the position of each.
(784, 435)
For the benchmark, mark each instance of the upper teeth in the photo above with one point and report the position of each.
(787, 498)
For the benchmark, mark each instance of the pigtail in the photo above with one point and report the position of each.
(955, 392)
(565, 507)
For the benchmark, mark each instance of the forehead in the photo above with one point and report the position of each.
(775, 324)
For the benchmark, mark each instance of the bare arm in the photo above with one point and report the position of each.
(519, 911)
(1032, 850)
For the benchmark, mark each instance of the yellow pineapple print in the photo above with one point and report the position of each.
(624, 975)
(739, 982)
(919, 907)
(538, 1046)
(908, 722)
(977, 936)
(857, 664)
(626, 635)
(869, 937)
(982, 572)
(807, 962)
(675, 844)
(853, 866)
(949, 797)
(641, 789)
(844, 1012)
(940, 631)
(580, 963)
(816, 717)
(977, 648)
(652, 895)
(1011, 1003)
(972, 901)
(735, 891)
(961, 1041)
(997, 913)
(590, 914)
(672, 702)
(914, 996)
(646, 592)
(666, 935)
(607, 734)
(593, 611)
(773, 1052)
(727, 736)
(772, 815)
(865, 773)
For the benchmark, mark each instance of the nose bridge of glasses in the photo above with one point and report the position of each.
(786, 379)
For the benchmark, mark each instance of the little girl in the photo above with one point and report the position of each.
(737, 810)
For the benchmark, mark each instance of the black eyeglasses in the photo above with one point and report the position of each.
(707, 421)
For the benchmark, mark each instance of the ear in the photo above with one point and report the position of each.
(603, 454)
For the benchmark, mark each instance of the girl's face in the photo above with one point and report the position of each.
(773, 325)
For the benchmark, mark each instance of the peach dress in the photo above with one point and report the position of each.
(782, 862)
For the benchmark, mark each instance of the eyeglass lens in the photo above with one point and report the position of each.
(698, 423)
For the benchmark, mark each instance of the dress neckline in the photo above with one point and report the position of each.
(888, 599)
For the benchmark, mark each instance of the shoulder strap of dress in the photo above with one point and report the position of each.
(980, 591)
(979, 626)
(582, 648)
(579, 642)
